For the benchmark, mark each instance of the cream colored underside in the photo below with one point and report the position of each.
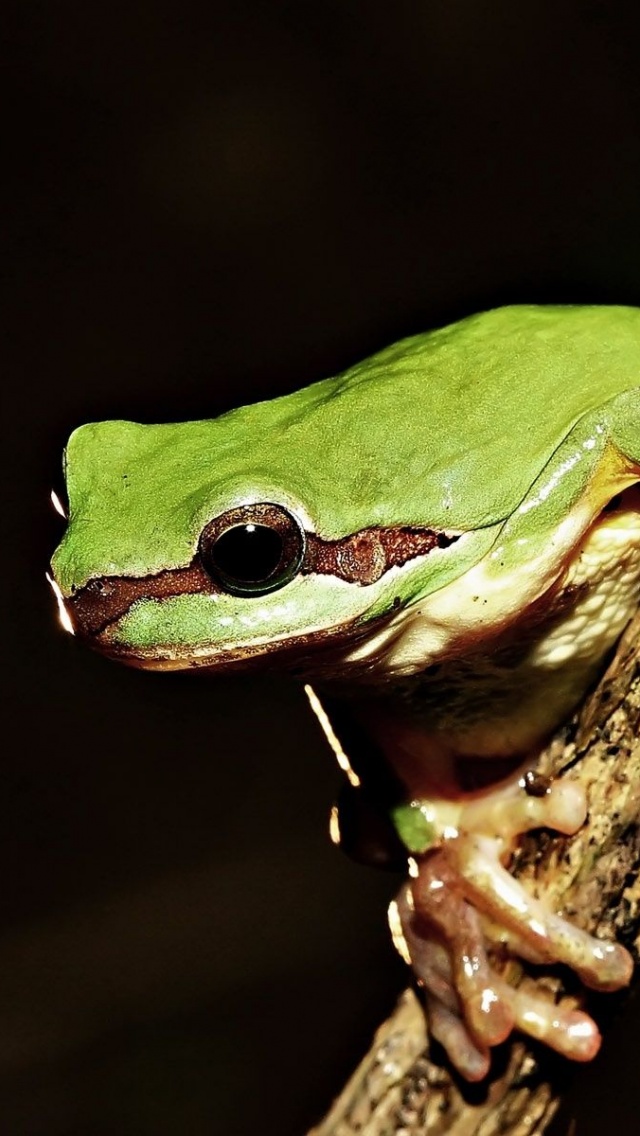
(499, 689)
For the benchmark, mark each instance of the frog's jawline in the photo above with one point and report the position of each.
(361, 558)
(314, 654)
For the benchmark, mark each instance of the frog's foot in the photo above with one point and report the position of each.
(600, 965)
(461, 899)
(470, 1007)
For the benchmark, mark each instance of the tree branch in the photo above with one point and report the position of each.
(404, 1087)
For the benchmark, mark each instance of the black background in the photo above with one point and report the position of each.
(208, 204)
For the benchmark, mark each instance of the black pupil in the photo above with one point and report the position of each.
(248, 553)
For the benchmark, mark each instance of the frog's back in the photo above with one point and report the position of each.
(448, 430)
(522, 355)
(466, 416)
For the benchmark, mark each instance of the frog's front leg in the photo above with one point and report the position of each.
(461, 899)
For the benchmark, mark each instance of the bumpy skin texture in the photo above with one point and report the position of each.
(493, 446)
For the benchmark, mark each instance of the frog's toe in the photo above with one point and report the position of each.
(431, 963)
(445, 944)
(490, 887)
(569, 1031)
(508, 811)
(471, 1060)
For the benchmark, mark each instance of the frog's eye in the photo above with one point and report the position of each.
(253, 549)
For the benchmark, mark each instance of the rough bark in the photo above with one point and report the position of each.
(403, 1087)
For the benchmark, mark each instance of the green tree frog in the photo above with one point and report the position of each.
(447, 537)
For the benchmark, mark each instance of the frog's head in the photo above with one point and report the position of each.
(306, 521)
(187, 547)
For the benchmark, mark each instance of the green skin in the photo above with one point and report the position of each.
(510, 430)
(384, 444)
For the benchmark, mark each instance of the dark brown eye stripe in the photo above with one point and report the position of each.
(362, 558)
(365, 556)
(108, 598)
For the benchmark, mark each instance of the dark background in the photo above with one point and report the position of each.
(208, 204)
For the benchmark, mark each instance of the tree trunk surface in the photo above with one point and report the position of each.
(403, 1086)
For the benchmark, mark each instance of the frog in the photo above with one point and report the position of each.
(443, 539)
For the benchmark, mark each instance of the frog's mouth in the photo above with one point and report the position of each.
(312, 655)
